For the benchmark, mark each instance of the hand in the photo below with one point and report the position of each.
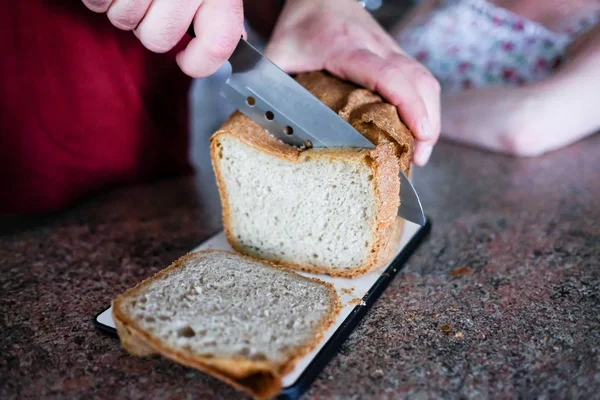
(342, 38)
(161, 24)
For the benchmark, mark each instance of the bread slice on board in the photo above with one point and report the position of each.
(241, 320)
(328, 211)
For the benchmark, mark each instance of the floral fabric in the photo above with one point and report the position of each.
(473, 43)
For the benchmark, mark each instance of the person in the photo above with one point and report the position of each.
(85, 106)
(520, 77)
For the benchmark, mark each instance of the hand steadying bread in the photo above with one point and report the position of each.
(320, 210)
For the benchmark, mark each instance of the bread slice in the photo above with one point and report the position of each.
(241, 320)
(328, 211)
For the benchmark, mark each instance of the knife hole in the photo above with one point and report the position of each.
(251, 101)
(269, 115)
(288, 130)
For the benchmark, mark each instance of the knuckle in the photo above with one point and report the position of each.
(98, 6)
(418, 73)
(159, 40)
(127, 20)
(161, 36)
(359, 56)
(389, 72)
(392, 75)
(424, 78)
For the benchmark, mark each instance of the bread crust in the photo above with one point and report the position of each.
(260, 379)
(371, 116)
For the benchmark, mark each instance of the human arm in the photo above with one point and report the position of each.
(535, 118)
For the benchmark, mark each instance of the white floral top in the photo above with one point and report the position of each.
(473, 43)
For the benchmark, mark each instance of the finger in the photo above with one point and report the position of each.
(392, 80)
(127, 14)
(99, 6)
(422, 152)
(165, 23)
(218, 25)
(429, 90)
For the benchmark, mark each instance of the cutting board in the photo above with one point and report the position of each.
(357, 296)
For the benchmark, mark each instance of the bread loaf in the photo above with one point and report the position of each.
(329, 210)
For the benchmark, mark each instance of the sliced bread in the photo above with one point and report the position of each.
(243, 321)
(328, 211)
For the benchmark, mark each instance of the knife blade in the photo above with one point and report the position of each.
(279, 104)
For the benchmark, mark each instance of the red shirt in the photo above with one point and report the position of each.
(83, 107)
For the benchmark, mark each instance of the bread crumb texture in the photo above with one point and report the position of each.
(234, 310)
(320, 210)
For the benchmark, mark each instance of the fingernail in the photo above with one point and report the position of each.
(424, 155)
(426, 131)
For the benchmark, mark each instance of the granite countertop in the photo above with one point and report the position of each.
(501, 300)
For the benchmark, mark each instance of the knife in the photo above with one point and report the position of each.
(279, 104)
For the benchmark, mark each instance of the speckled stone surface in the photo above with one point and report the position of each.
(502, 300)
